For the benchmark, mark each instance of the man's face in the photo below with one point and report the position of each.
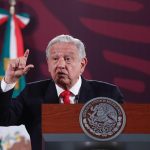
(65, 64)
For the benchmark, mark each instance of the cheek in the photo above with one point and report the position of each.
(51, 68)
(74, 70)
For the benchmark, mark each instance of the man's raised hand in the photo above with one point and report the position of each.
(17, 68)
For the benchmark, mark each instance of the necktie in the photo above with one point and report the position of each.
(65, 95)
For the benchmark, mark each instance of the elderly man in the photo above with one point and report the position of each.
(66, 59)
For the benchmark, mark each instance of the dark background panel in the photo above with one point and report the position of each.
(115, 33)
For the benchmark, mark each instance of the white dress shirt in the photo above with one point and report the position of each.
(6, 87)
(74, 90)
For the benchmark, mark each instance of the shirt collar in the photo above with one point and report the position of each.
(74, 90)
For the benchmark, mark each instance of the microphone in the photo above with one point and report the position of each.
(76, 99)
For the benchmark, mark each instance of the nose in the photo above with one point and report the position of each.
(61, 63)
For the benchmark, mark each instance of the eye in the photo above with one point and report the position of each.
(55, 58)
(68, 59)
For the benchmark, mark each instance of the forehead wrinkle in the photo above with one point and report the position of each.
(57, 52)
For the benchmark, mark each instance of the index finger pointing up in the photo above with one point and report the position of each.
(26, 53)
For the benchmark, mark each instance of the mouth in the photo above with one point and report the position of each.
(61, 74)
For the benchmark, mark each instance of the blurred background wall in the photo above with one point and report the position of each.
(116, 34)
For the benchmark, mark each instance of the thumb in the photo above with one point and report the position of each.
(27, 68)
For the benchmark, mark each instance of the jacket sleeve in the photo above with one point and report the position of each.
(10, 109)
(117, 95)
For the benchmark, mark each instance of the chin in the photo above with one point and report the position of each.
(63, 82)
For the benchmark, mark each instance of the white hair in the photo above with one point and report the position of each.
(67, 38)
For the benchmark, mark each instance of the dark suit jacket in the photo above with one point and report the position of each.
(26, 109)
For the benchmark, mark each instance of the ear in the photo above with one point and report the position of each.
(47, 60)
(84, 62)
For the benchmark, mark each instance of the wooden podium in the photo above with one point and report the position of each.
(61, 128)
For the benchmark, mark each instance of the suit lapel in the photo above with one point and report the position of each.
(86, 93)
(51, 94)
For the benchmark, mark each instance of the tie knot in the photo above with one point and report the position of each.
(65, 95)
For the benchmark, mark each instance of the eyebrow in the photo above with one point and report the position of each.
(68, 53)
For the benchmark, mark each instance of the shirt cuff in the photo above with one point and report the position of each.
(6, 87)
